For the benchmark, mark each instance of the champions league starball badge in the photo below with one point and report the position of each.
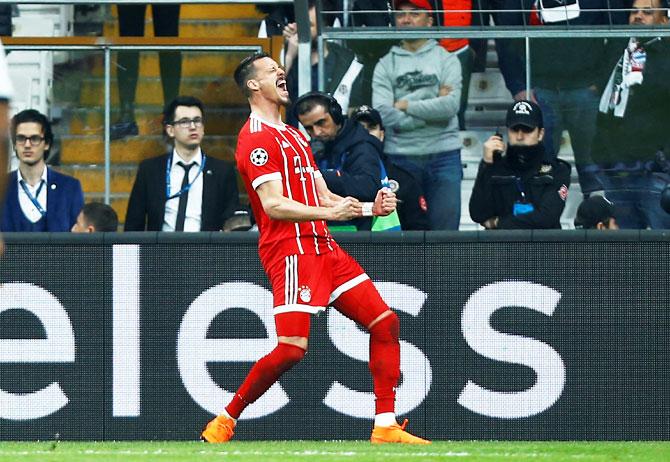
(259, 157)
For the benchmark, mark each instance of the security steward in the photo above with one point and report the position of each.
(343, 149)
(515, 188)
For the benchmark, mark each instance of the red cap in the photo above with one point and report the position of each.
(420, 4)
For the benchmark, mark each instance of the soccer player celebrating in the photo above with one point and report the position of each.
(307, 269)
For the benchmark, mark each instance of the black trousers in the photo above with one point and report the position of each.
(131, 24)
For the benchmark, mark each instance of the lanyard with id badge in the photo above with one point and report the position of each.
(521, 207)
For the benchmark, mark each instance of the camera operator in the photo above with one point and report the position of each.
(515, 188)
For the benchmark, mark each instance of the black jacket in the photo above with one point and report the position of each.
(146, 207)
(350, 163)
(496, 190)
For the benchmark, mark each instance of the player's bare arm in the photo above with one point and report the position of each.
(327, 198)
(279, 207)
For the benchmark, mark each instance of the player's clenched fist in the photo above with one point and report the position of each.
(347, 209)
(385, 202)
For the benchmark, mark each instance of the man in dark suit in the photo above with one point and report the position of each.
(38, 198)
(183, 190)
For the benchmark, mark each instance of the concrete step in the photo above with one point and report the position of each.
(219, 11)
(212, 90)
(199, 28)
(193, 64)
(92, 177)
(90, 149)
(218, 121)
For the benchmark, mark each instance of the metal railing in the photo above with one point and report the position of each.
(112, 44)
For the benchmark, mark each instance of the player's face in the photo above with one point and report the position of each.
(270, 80)
(29, 152)
(647, 13)
(187, 129)
(319, 124)
(523, 136)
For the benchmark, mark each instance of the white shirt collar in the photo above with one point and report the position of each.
(20, 178)
(197, 159)
(281, 126)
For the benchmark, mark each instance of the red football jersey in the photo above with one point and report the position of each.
(266, 152)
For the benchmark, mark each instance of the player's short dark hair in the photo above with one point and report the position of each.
(245, 71)
(171, 107)
(28, 116)
(101, 216)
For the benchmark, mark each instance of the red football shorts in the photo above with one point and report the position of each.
(306, 284)
(309, 283)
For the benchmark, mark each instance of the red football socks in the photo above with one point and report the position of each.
(385, 362)
(263, 375)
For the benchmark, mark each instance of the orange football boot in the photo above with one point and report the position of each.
(218, 430)
(395, 434)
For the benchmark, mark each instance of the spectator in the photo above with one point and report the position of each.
(38, 198)
(6, 93)
(6, 28)
(370, 13)
(183, 190)
(344, 151)
(131, 24)
(417, 90)
(412, 207)
(341, 69)
(632, 124)
(567, 76)
(96, 217)
(510, 51)
(596, 212)
(519, 190)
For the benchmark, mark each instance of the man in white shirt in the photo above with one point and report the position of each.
(185, 189)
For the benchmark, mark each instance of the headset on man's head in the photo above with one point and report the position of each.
(330, 103)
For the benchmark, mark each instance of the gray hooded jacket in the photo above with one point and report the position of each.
(430, 124)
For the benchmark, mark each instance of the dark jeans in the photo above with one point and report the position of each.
(574, 110)
(636, 196)
(131, 24)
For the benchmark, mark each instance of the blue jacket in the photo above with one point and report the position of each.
(65, 199)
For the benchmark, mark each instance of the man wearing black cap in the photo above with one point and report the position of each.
(412, 205)
(515, 188)
(596, 212)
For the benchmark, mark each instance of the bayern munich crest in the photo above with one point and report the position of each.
(305, 294)
(259, 156)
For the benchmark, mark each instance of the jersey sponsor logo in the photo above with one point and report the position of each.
(302, 169)
(305, 294)
(259, 157)
(546, 168)
(563, 192)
